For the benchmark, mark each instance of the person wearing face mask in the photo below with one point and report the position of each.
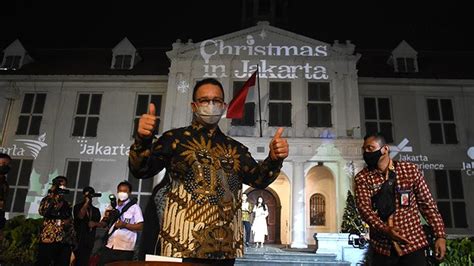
(195, 212)
(86, 220)
(5, 160)
(57, 237)
(122, 234)
(259, 226)
(390, 195)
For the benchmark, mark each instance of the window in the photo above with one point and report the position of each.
(406, 65)
(141, 188)
(441, 121)
(249, 109)
(280, 104)
(12, 62)
(78, 175)
(143, 100)
(317, 206)
(87, 115)
(18, 180)
(378, 117)
(319, 105)
(450, 198)
(29, 121)
(123, 62)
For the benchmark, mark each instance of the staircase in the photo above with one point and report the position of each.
(275, 256)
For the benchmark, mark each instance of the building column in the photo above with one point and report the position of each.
(298, 228)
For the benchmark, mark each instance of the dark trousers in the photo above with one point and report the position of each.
(110, 255)
(247, 227)
(53, 254)
(3, 221)
(82, 254)
(416, 258)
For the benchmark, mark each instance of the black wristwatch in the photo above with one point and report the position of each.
(137, 147)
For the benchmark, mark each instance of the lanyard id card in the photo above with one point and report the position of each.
(404, 198)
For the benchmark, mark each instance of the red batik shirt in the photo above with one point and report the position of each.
(406, 218)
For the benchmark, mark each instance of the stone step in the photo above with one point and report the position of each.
(291, 256)
(275, 256)
(263, 262)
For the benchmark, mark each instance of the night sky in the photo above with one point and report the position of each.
(440, 27)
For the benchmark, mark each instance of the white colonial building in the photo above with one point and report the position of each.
(72, 112)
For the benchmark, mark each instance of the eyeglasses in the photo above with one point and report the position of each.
(206, 101)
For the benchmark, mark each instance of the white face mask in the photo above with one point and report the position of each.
(122, 196)
(62, 187)
(210, 114)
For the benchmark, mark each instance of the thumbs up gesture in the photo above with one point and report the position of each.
(278, 146)
(147, 122)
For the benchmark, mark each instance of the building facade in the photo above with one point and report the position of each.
(80, 122)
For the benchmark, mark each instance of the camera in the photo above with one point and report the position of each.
(111, 214)
(94, 195)
(357, 241)
(113, 201)
(90, 193)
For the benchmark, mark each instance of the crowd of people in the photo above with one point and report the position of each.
(68, 233)
(198, 210)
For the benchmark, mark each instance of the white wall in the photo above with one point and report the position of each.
(114, 127)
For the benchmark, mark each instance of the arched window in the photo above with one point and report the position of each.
(317, 209)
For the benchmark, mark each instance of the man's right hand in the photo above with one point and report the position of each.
(395, 234)
(87, 199)
(53, 188)
(147, 123)
(52, 192)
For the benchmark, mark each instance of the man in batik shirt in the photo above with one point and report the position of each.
(400, 240)
(57, 232)
(198, 203)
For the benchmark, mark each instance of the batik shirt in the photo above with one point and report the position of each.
(406, 217)
(202, 215)
(57, 223)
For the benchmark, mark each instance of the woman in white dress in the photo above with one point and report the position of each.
(259, 226)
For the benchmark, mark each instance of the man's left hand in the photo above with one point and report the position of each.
(119, 224)
(278, 146)
(92, 224)
(440, 248)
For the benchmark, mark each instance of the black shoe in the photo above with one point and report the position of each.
(247, 244)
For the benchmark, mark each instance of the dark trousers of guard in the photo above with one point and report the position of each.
(416, 258)
(110, 255)
(53, 254)
(247, 227)
(83, 254)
